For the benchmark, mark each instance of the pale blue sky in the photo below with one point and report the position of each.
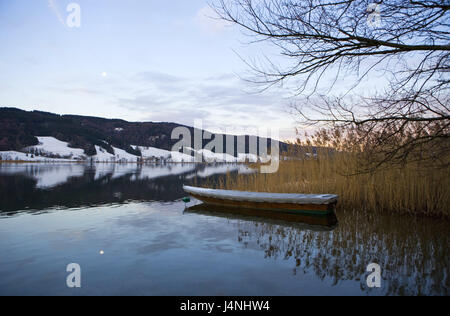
(138, 60)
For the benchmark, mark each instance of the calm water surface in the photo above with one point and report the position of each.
(128, 229)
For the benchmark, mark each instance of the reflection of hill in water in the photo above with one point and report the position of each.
(42, 186)
(413, 253)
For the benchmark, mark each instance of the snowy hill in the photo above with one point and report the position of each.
(50, 146)
(63, 136)
(50, 149)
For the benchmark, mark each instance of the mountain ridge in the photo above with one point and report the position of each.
(19, 128)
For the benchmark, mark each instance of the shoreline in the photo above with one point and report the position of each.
(117, 162)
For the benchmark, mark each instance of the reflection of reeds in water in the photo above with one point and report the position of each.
(413, 255)
(411, 189)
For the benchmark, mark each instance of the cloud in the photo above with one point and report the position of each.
(77, 89)
(209, 21)
(156, 76)
(220, 101)
(156, 80)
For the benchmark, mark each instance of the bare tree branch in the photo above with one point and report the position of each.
(351, 40)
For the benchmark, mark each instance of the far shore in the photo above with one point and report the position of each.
(114, 162)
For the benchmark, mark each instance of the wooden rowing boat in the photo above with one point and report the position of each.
(319, 204)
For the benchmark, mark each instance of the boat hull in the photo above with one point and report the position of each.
(316, 209)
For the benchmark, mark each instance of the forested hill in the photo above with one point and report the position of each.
(18, 129)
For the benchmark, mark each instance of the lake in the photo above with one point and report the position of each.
(128, 229)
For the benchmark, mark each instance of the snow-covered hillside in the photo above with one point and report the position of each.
(149, 152)
(161, 154)
(120, 155)
(50, 146)
(51, 149)
(20, 156)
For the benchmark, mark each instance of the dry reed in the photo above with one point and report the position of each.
(412, 188)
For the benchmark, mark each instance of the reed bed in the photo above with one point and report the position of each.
(413, 188)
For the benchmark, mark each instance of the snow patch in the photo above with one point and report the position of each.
(50, 146)
(170, 156)
(20, 156)
(152, 152)
(120, 155)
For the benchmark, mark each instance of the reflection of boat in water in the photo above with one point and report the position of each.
(319, 204)
(303, 221)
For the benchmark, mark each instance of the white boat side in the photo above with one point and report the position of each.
(263, 197)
